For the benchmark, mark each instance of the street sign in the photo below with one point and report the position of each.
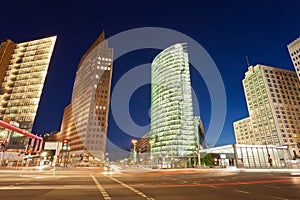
(53, 145)
(16, 124)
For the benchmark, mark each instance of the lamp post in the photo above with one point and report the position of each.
(269, 156)
(298, 143)
(151, 142)
(198, 155)
(66, 149)
(2, 149)
(44, 155)
(134, 149)
(106, 159)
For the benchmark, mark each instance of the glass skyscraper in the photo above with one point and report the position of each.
(172, 136)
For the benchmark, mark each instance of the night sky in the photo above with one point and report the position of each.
(228, 30)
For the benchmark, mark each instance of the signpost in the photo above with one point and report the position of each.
(57, 146)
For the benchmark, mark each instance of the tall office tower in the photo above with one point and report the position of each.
(172, 122)
(23, 71)
(273, 101)
(85, 120)
(294, 50)
(6, 50)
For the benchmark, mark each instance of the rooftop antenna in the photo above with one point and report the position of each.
(247, 61)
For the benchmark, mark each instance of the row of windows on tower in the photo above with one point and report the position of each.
(295, 52)
(295, 103)
(277, 73)
(285, 117)
(297, 64)
(31, 52)
(285, 97)
(283, 87)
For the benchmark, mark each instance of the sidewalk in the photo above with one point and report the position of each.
(210, 170)
(181, 170)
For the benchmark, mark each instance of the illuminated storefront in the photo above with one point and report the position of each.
(250, 156)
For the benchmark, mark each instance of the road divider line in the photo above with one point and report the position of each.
(132, 189)
(103, 192)
(46, 187)
(269, 186)
(212, 186)
(273, 197)
(242, 191)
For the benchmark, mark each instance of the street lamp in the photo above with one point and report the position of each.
(106, 158)
(134, 149)
(269, 156)
(2, 148)
(65, 151)
(151, 142)
(198, 154)
(44, 154)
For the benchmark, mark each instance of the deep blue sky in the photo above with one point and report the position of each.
(228, 30)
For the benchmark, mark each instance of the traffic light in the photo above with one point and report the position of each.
(65, 142)
(3, 142)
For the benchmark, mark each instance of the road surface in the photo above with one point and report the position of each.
(94, 184)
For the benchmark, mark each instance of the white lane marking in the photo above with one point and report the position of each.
(132, 189)
(45, 176)
(46, 187)
(242, 191)
(295, 173)
(101, 189)
(196, 182)
(269, 186)
(273, 197)
(212, 186)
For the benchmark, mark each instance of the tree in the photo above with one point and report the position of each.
(207, 160)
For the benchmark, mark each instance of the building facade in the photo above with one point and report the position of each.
(85, 120)
(141, 150)
(249, 156)
(294, 51)
(273, 101)
(6, 50)
(172, 121)
(23, 72)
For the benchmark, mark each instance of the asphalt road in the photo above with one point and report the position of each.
(93, 184)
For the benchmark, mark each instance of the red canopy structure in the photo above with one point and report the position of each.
(39, 140)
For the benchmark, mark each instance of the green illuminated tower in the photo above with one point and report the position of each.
(172, 136)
